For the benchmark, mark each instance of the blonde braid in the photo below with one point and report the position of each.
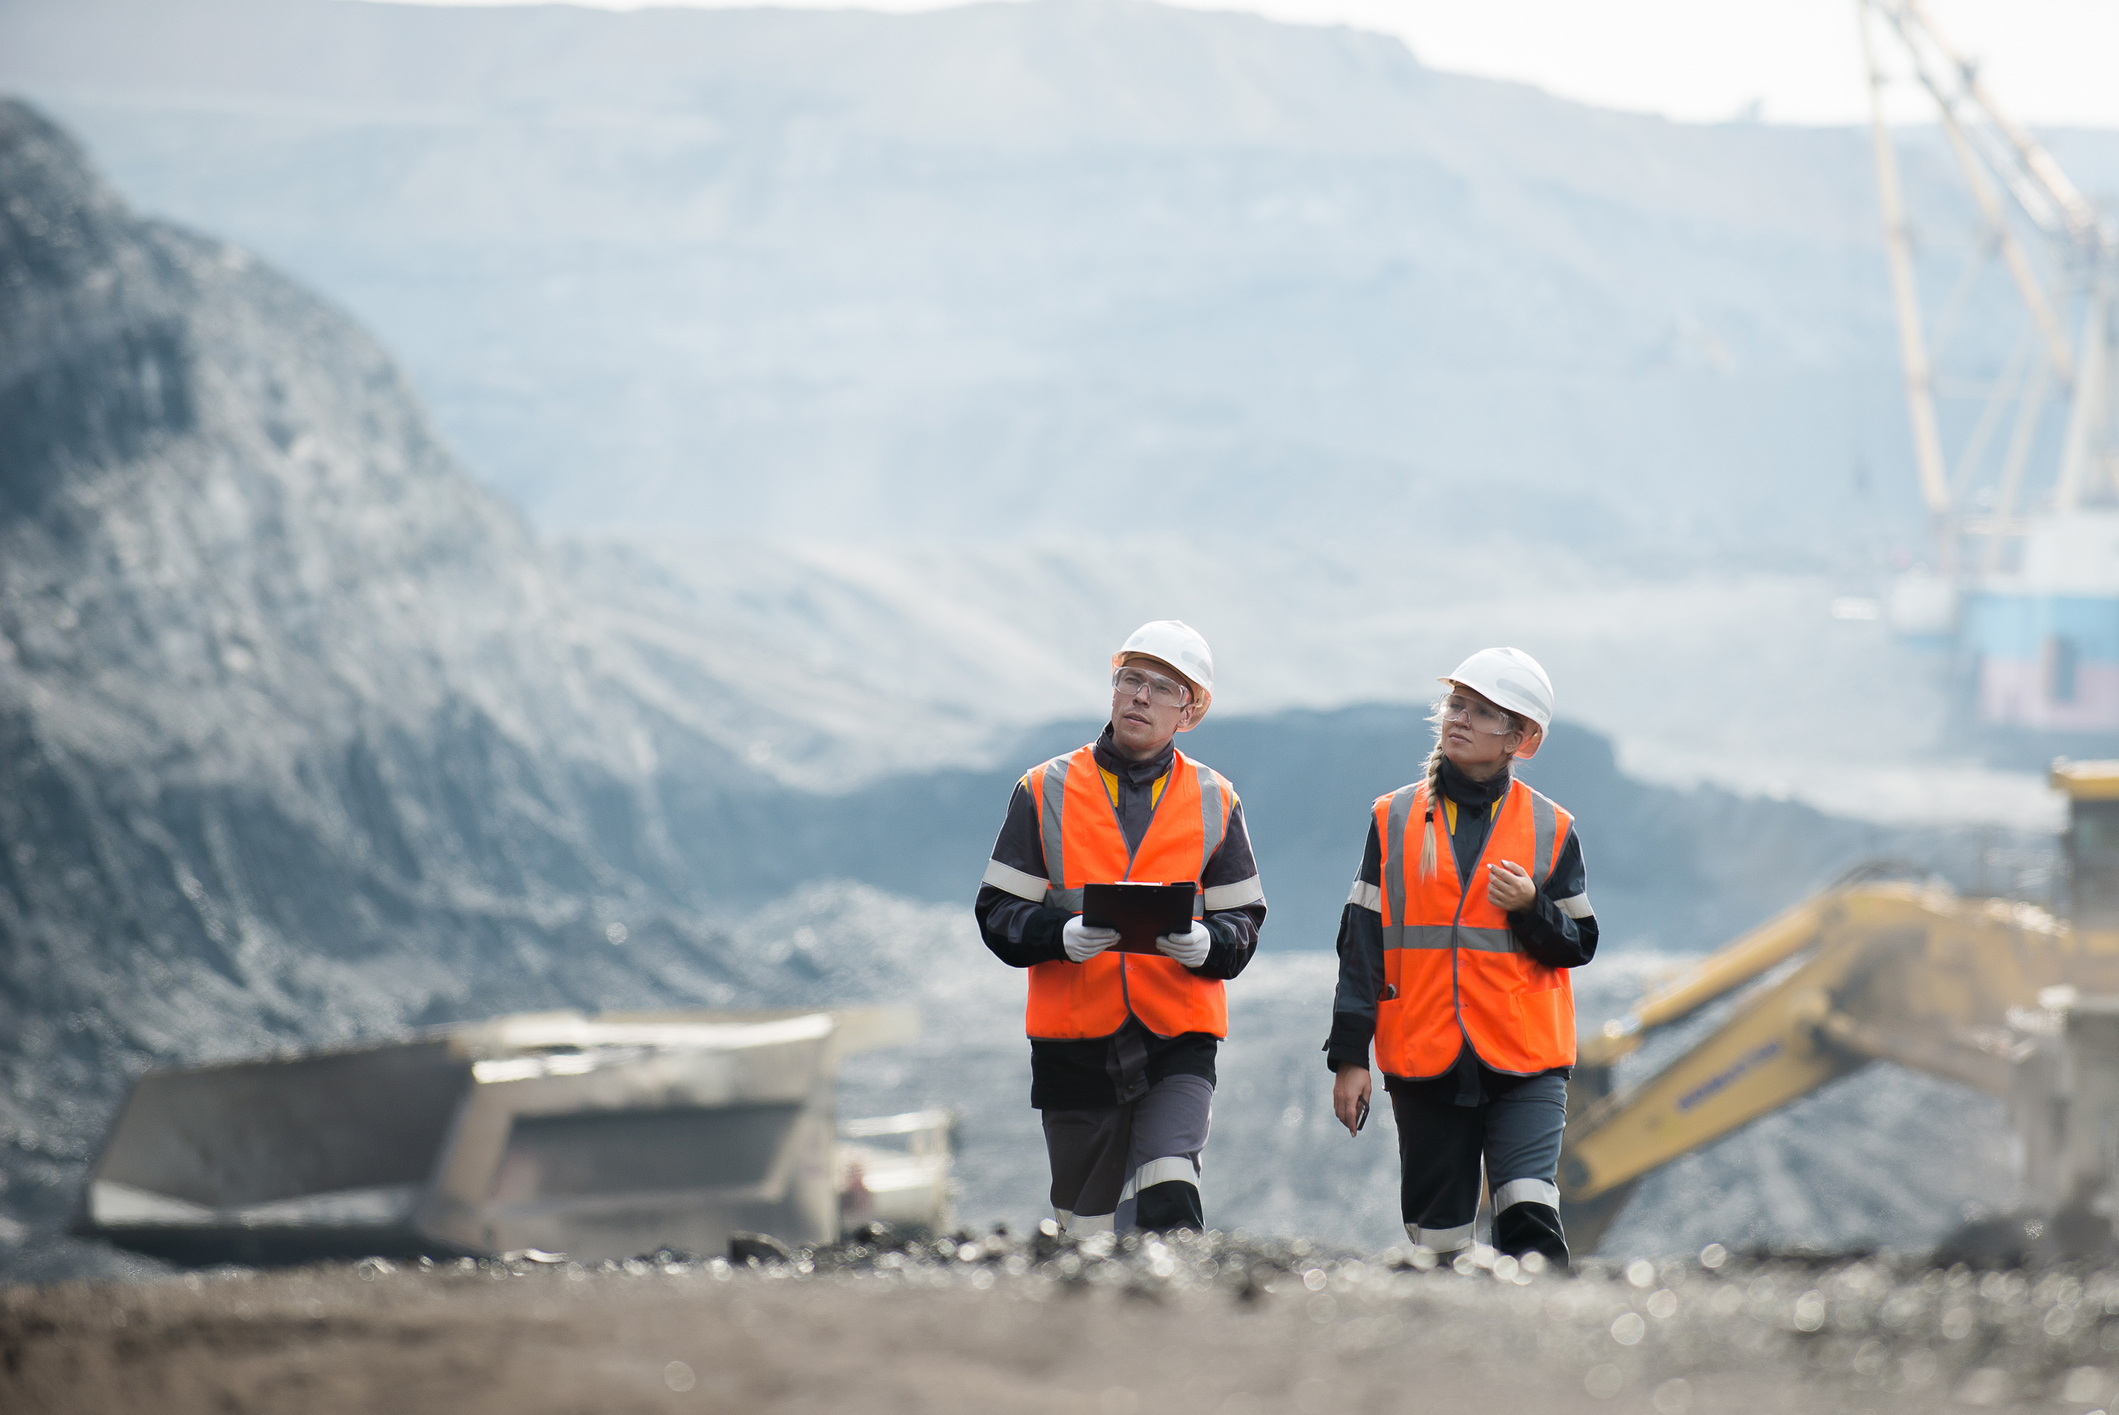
(1434, 806)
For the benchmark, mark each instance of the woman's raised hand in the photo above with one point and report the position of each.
(1508, 886)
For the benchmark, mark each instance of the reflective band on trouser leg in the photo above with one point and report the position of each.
(1524, 1127)
(1079, 1224)
(1441, 1240)
(1161, 1171)
(1527, 1191)
(1169, 1206)
(1170, 1126)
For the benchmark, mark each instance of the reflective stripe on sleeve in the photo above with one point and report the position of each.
(1526, 1191)
(1441, 1240)
(1160, 1171)
(1575, 906)
(1368, 896)
(1232, 896)
(1017, 882)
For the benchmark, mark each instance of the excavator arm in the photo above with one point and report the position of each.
(1864, 972)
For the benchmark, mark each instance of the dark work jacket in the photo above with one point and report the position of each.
(1557, 929)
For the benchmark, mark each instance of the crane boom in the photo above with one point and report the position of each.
(1905, 297)
(2042, 188)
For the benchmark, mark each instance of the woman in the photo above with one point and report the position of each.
(1454, 948)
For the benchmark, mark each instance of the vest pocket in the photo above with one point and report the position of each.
(1542, 979)
(1393, 1046)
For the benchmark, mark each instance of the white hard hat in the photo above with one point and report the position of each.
(1512, 679)
(1179, 645)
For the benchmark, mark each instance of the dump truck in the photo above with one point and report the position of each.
(594, 1136)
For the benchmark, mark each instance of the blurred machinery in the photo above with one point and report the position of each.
(2019, 467)
(598, 1137)
(1996, 994)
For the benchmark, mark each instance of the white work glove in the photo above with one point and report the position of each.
(1085, 941)
(1188, 948)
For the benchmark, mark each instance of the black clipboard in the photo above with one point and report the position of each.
(1139, 911)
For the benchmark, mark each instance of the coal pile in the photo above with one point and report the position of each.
(1222, 1324)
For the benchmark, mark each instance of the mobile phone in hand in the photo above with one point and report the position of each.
(1361, 1114)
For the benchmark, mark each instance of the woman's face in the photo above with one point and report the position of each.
(1478, 736)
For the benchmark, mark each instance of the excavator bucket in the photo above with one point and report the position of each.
(596, 1137)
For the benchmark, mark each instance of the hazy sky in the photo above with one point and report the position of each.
(2050, 61)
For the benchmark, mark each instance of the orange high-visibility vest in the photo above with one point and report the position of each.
(1452, 968)
(1084, 845)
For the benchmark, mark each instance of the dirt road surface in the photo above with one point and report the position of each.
(1156, 1328)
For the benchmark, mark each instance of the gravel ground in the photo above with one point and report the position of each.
(1216, 1324)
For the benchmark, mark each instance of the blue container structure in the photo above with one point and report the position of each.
(2042, 645)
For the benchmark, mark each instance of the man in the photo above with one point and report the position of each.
(1122, 1045)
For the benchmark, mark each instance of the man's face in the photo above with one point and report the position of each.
(1150, 704)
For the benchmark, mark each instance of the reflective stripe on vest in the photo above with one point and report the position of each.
(1084, 845)
(1453, 968)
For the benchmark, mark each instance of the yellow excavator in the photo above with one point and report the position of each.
(1868, 970)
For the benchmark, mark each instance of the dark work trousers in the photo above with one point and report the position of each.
(1440, 1143)
(1134, 1165)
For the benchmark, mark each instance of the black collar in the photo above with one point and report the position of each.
(1128, 770)
(1467, 792)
